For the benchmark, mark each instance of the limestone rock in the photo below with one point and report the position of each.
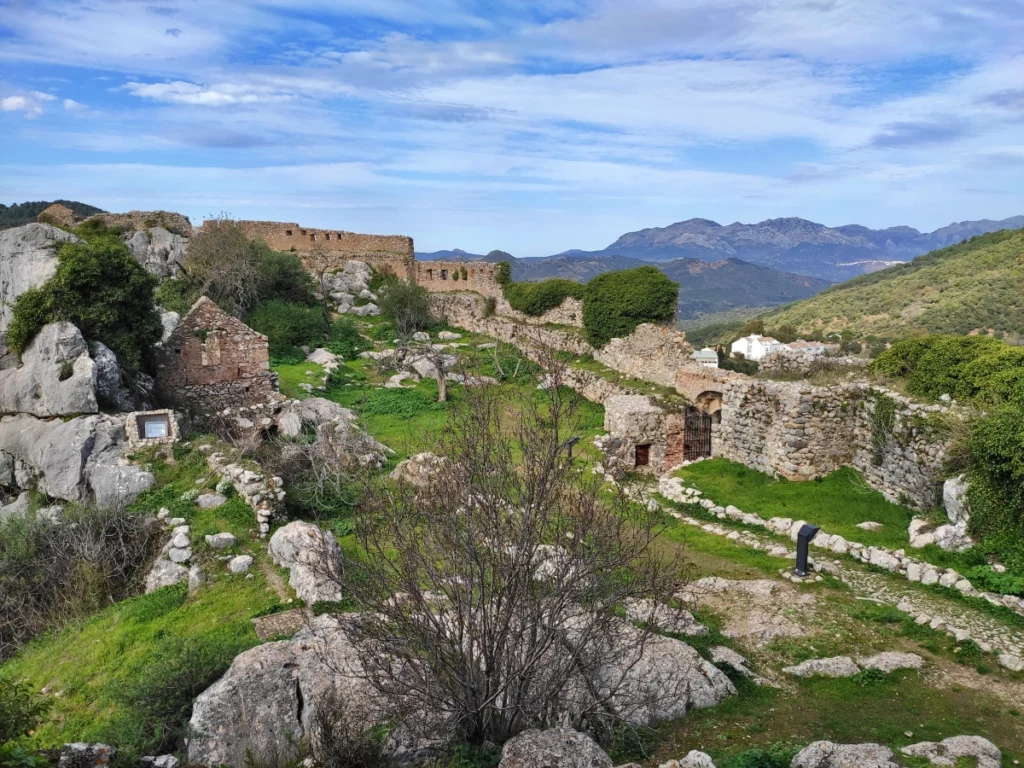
(78, 460)
(56, 378)
(312, 556)
(28, 258)
(164, 573)
(371, 310)
(240, 564)
(449, 336)
(418, 470)
(948, 750)
(676, 621)
(555, 748)
(693, 759)
(169, 320)
(266, 701)
(17, 508)
(870, 525)
(1011, 662)
(836, 666)
(210, 500)
(82, 755)
(954, 499)
(163, 761)
(826, 754)
(221, 541)
(159, 251)
(109, 390)
(890, 661)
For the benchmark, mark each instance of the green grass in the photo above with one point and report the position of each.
(849, 711)
(290, 376)
(837, 502)
(96, 666)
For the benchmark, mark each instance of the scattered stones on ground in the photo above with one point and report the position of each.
(210, 500)
(870, 525)
(836, 666)
(83, 755)
(890, 661)
(240, 564)
(221, 541)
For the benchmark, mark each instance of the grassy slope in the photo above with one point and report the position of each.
(978, 284)
(836, 503)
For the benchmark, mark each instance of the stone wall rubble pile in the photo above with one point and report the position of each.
(264, 495)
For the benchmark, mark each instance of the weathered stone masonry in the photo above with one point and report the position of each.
(214, 361)
(388, 252)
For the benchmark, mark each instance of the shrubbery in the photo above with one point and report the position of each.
(101, 288)
(990, 374)
(406, 305)
(286, 324)
(344, 339)
(537, 298)
(615, 303)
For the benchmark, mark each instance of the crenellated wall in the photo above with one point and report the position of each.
(444, 276)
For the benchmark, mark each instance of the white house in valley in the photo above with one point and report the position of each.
(706, 358)
(754, 347)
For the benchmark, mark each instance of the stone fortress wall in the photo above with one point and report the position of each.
(390, 252)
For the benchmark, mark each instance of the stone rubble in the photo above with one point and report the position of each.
(264, 495)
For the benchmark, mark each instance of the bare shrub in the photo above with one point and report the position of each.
(339, 737)
(55, 571)
(492, 595)
(222, 263)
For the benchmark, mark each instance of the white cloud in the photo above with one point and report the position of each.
(31, 104)
(74, 106)
(217, 95)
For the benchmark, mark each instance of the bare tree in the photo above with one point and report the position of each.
(222, 263)
(318, 261)
(491, 597)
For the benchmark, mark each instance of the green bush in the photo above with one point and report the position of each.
(21, 711)
(101, 288)
(282, 276)
(537, 298)
(405, 403)
(176, 294)
(615, 303)
(775, 756)
(935, 365)
(406, 305)
(344, 339)
(286, 324)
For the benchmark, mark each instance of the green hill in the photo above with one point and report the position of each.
(25, 213)
(975, 286)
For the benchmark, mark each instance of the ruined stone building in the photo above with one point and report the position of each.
(213, 361)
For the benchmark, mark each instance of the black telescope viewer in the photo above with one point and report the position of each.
(803, 542)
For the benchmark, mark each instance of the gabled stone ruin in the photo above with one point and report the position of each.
(213, 361)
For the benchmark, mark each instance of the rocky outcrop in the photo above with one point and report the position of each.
(838, 666)
(349, 284)
(948, 751)
(313, 558)
(267, 700)
(83, 755)
(28, 258)
(321, 415)
(80, 460)
(556, 748)
(160, 252)
(56, 378)
(418, 470)
(826, 754)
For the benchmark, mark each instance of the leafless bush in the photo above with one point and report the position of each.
(339, 737)
(247, 440)
(56, 571)
(492, 595)
(222, 262)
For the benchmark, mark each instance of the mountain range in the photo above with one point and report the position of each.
(796, 245)
(705, 287)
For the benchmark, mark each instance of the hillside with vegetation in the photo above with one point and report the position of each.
(19, 214)
(974, 286)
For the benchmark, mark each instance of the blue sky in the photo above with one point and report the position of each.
(532, 127)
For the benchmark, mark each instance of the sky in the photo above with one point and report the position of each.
(532, 127)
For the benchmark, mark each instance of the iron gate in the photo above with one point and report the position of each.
(696, 435)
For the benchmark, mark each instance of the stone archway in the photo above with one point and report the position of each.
(710, 402)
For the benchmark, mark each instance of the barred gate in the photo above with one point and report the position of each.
(696, 435)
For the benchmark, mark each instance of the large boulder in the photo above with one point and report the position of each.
(418, 470)
(826, 754)
(268, 699)
(28, 258)
(556, 748)
(320, 415)
(313, 558)
(159, 251)
(949, 751)
(56, 378)
(80, 460)
(110, 392)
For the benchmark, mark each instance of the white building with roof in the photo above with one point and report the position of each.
(754, 347)
(706, 358)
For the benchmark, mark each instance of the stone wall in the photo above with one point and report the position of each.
(136, 220)
(652, 353)
(800, 432)
(391, 252)
(213, 361)
(444, 276)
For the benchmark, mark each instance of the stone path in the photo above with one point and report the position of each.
(961, 620)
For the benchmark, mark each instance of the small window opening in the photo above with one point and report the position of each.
(643, 455)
